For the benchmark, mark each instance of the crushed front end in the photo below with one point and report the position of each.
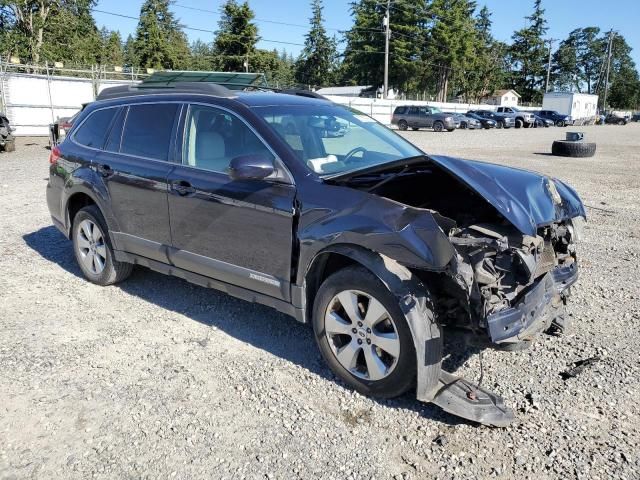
(515, 285)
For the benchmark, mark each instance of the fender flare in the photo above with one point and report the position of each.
(101, 199)
(416, 304)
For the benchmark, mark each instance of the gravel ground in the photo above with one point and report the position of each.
(157, 378)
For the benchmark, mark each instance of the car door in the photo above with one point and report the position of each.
(236, 231)
(427, 117)
(413, 119)
(134, 164)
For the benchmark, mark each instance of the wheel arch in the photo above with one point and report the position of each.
(79, 197)
(413, 299)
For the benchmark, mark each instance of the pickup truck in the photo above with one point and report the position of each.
(522, 119)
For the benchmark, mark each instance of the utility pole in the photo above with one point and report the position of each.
(551, 40)
(387, 34)
(606, 81)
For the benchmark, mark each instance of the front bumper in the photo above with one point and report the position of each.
(536, 310)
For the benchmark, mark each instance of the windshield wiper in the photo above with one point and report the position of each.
(388, 179)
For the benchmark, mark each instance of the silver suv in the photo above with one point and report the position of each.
(416, 117)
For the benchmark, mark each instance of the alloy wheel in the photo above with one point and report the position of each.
(91, 246)
(362, 335)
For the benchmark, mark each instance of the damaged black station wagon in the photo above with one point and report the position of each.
(322, 213)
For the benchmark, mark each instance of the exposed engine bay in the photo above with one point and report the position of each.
(496, 265)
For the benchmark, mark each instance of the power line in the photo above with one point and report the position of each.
(186, 27)
(275, 22)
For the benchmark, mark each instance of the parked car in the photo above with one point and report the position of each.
(559, 119)
(635, 117)
(522, 119)
(416, 117)
(485, 122)
(502, 120)
(7, 140)
(465, 122)
(615, 119)
(542, 122)
(58, 129)
(375, 243)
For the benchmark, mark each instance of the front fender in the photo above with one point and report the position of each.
(410, 236)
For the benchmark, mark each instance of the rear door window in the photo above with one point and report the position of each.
(93, 131)
(148, 130)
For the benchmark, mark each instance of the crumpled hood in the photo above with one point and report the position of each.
(527, 199)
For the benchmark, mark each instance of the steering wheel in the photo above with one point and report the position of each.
(352, 152)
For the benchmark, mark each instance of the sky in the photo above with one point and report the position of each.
(508, 16)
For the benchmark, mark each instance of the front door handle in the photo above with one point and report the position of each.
(182, 188)
(105, 170)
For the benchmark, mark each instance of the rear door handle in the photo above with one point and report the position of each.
(105, 170)
(182, 187)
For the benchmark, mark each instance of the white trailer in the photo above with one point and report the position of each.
(577, 105)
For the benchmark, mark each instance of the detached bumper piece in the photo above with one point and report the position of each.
(537, 310)
(460, 397)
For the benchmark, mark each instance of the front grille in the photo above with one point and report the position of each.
(547, 260)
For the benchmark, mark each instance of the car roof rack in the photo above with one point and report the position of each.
(202, 88)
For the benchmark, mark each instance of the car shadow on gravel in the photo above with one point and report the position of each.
(255, 324)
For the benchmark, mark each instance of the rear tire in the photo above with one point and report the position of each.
(93, 250)
(344, 340)
(500, 125)
(10, 146)
(563, 148)
(438, 126)
(402, 125)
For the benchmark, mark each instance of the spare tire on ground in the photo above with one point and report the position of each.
(564, 148)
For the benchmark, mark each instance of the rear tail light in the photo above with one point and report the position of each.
(54, 155)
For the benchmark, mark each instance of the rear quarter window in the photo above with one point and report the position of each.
(93, 131)
(148, 129)
(400, 110)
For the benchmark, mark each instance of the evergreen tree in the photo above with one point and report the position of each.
(485, 71)
(363, 61)
(316, 65)
(160, 43)
(624, 90)
(129, 52)
(236, 38)
(450, 40)
(112, 53)
(201, 56)
(529, 56)
(578, 61)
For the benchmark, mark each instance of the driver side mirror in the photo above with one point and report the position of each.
(253, 166)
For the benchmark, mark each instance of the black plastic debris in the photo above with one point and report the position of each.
(578, 367)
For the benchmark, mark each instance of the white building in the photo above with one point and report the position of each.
(503, 98)
(576, 105)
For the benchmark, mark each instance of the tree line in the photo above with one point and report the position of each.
(440, 49)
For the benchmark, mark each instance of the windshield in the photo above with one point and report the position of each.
(334, 139)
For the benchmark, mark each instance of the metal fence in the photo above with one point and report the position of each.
(35, 96)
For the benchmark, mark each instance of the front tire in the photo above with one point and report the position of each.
(438, 126)
(363, 335)
(519, 123)
(93, 250)
(559, 123)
